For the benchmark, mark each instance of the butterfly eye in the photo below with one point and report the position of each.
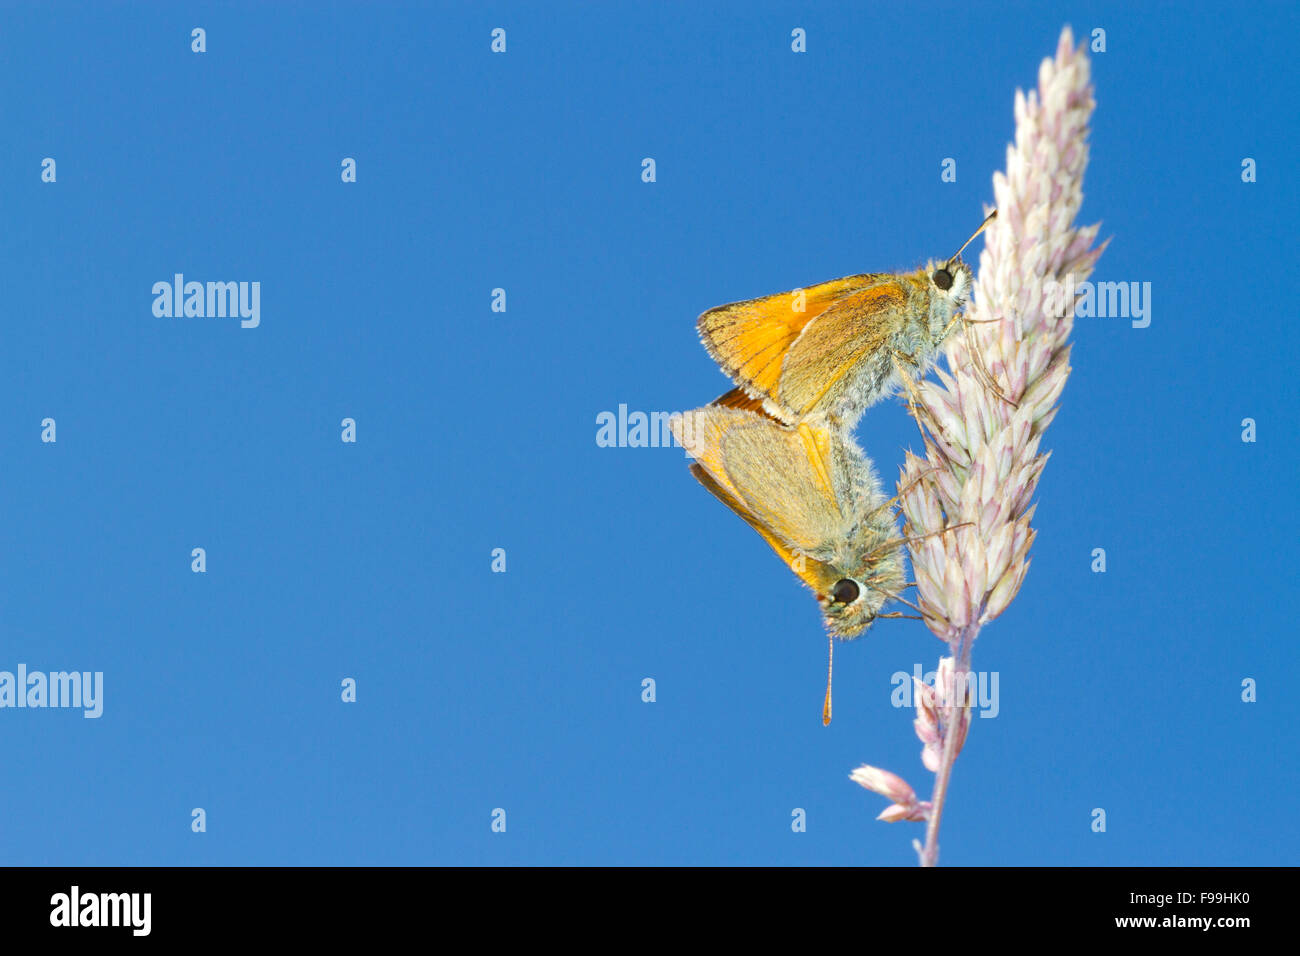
(845, 591)
(943, 279)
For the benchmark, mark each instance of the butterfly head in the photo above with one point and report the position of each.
(850, 605)
(951, 280)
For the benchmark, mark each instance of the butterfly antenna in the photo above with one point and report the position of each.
(984, 225)
(900, 615)
(830, 668)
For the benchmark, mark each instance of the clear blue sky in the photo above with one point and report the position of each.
(476, 430)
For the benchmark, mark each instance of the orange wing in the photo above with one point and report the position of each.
(777, 478)
(736, 398)
(852, 333)
(749, 339)
(818, 576)
(783, 477)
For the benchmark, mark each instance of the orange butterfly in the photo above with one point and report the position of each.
(832, 350)
(814, 497)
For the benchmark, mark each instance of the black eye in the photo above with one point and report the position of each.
(845, 591)
(943, 279)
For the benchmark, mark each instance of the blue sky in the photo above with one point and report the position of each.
(476, 430)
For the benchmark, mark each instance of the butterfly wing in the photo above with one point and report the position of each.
(812, 496)
(784, 477)
(736, 398)
(818, 576)
(750, 339)
(856, 331)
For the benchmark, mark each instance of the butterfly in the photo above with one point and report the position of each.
(814, 497)
(832, 350)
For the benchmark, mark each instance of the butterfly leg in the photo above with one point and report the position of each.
(904, 490)
(981, 370)
(914, 403)
(897, 542)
